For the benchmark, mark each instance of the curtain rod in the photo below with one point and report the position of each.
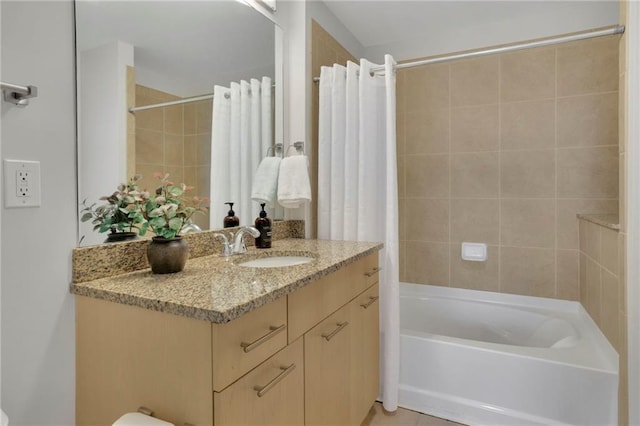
(600, 32)
(180, 101)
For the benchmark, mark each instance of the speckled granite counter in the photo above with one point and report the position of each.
(216, 289)
(105, 260)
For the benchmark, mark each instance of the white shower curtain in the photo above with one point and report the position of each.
(241, 133)
(358, 188)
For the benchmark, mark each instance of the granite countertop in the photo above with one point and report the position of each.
(216, 289)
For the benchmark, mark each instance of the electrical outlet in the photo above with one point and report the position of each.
(21, 183)
(23, 178)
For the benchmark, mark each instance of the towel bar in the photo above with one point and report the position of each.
(18, 95)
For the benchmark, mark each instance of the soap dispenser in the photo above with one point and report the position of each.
(263, 224)
(231, 220)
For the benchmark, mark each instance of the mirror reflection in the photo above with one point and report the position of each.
(147, 75)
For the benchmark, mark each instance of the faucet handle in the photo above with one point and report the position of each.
(226, 247)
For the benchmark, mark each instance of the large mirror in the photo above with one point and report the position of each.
(147, 71)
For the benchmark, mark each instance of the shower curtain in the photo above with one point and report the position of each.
(241, 133)
(358, 188)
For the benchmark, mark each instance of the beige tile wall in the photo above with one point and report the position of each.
(175, 140)
(505, 150)
(602, 292)
(325, 51)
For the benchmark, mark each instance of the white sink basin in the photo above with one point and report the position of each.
(277, 261)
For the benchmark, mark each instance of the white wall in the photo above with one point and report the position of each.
(294, 17)
(633, 205)
(102, 125)
(559, 18)
(1, 183)
(38, 371)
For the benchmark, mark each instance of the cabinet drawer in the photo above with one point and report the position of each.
(313, 303)
(245, 342)
(271, 394)
(370, 270)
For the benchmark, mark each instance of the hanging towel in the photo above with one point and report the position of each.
(265, 181)
(293, 181)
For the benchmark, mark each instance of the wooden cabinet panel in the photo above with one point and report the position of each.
(281, 381)
(365, 350)
(242, 344)
(314, 302)
(370, 270)
(127, 357)
(327, 361)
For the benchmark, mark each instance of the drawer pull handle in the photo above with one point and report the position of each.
(372, 299)
(340, 325)
(274, 330)
(373, 271)
(262, 390)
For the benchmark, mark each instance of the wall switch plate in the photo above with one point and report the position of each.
(21, 183)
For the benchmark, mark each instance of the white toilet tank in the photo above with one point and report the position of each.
(4, 420)
(138, 419)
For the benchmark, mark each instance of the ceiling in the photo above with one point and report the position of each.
(383, 22)
(452, 25)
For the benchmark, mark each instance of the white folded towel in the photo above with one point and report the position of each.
(293, 182)
(265, 181)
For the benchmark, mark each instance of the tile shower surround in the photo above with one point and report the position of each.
(506, 149)
(534, 132)
(175, 140)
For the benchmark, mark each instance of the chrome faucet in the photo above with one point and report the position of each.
(238, 246)
(226, 247)
(192, 227)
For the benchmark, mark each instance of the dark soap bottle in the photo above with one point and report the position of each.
(231, 220)
(263, 224)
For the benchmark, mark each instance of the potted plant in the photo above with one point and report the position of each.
(121, 215)
(167, 212)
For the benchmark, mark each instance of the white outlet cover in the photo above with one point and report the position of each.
(11, 187)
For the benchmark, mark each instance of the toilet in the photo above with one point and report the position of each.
(138, 419)
(4, 420)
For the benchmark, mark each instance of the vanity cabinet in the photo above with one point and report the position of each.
(327, 355)
(365, 350)
(310, 357)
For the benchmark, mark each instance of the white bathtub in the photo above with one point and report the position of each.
(484, 358)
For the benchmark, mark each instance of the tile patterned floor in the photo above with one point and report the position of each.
(402, 417)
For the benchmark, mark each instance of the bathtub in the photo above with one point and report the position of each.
(482, 358)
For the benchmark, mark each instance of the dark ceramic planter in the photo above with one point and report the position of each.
(167, 256)
(114, 237)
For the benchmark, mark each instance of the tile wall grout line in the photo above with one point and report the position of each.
(555, 186)
(500, 289)
(450, 142)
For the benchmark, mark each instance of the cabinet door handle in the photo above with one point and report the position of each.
(340, 325)
(372, 299)
(274, 330)
(262, 390)
(373, 271)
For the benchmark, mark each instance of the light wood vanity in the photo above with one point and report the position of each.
(303, 351)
